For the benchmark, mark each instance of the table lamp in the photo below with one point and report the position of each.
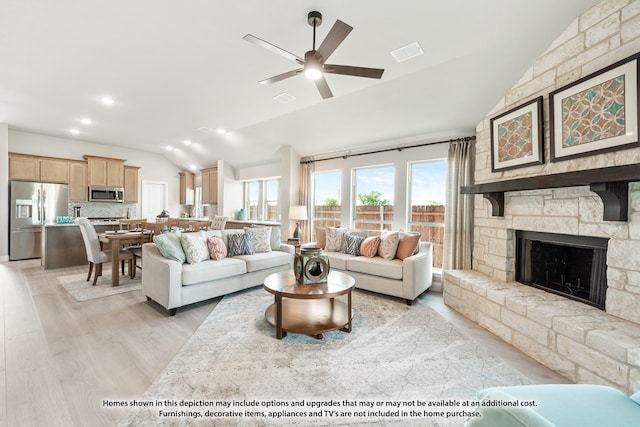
(297, 213)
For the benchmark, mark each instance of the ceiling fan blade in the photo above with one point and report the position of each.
(336, 35)
(281, 77)
(323, 88)
(372, 73)
(273, 48)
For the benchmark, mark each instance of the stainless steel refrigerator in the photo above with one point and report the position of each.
(32, 205)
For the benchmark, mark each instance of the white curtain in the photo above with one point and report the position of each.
(305, 195)
(458, 217)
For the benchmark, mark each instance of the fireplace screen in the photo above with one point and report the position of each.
(572, 266)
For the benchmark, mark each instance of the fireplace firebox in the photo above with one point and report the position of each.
(568, 265)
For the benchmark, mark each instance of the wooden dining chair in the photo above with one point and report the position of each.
(145, 237)
(96, 256)
(132, 224)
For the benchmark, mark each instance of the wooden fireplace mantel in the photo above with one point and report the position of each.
(610, 183)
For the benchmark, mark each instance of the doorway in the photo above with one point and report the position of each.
(154, 199)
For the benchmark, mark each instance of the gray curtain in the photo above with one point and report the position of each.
(306, 180)
(458, 217)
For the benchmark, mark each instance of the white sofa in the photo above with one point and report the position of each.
(407, 278)
(173, 285)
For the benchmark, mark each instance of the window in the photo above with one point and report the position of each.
(261, 200)
(271, 200)
(326, 200)
(427, 186)
(373, 198)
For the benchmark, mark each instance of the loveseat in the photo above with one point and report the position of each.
(174, 283)
(400, 268)
(556, 405)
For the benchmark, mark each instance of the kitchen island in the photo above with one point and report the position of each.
(62, 244)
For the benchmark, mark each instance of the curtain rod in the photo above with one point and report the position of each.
(346, 156)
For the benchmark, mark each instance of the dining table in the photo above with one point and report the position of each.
(117, 240)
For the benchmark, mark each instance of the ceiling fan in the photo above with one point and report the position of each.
(313, 64)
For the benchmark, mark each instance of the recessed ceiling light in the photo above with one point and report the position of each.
(221, 131)
(86, 121)
(169, 148)
(74, 131)
(204, 129)
(407, 52)
(187, 142)
(193, 167)
(107, 100)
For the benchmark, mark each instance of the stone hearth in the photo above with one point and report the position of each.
(579, 341)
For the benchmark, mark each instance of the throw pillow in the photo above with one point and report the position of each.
(335, 239)
(321, 237)
(407, 245)
(388, 244)
(352, 244)
(369, 246)
(240, 244)
(195, 246)
(261, 238)
(276, 235)
(170, 247)
(217, 249)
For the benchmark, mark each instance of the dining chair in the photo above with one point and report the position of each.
(132, 224)
(95, 255)
(218, 222)
(145, 237)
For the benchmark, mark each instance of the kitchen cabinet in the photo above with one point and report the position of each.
(78, 181)
(54, 170)
(105, 171)
(210, 186)
(24, 167)
(131, 184)
(187, 188)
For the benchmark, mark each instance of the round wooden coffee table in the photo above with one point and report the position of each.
(309, 309)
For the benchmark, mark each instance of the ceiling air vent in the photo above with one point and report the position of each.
(407, 52)
(284, 98)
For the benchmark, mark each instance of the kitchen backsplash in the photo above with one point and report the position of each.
(104, 210)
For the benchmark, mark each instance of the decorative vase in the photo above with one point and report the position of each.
(311, 266)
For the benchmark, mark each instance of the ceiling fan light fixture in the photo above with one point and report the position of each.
(312, 73)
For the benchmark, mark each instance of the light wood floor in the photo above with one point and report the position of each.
(60, 358)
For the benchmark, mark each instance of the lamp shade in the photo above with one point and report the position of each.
(298, 213)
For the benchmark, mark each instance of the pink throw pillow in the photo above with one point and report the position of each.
(217, 249)
(369, 246)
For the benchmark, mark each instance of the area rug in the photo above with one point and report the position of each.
(399, 366)
(81, 290)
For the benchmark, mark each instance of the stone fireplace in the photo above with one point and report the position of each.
(567, 265)
(594, 335)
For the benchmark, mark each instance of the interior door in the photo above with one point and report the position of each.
(154, 199)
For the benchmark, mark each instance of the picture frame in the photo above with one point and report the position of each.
(517, 137)
(596, 114)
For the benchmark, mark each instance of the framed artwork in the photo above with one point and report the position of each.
(517, 137)
(596, 114)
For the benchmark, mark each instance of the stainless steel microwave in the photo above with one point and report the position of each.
(106, 194)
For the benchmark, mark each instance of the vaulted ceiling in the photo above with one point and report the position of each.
(180, 70)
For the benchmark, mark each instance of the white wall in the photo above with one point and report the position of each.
(4, 192)
(153, 166)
